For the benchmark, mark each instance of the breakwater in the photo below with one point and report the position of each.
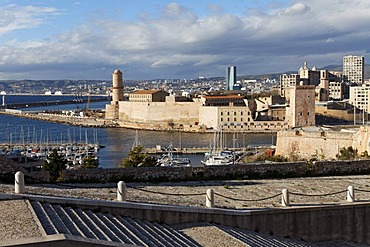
(52, 102)
(239, 171)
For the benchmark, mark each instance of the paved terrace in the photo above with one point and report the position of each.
(235, 194)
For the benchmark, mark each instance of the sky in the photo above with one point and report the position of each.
(184, 39)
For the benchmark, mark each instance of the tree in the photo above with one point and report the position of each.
(55, 164)
(137, 157)
(90, 162)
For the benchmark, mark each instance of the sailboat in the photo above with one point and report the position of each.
(218, 155)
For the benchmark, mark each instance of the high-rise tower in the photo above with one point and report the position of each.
(117, 91)
(230, 77)
(353, 69)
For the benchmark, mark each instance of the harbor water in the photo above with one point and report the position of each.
(117, 142)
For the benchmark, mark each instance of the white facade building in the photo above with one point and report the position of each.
(359, 97)
(353, 69)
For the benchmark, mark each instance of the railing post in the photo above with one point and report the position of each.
(350, 194)
(19, 183)
(285, 198)
(121, 191)
(210, 199)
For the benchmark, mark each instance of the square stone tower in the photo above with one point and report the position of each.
(301, 106)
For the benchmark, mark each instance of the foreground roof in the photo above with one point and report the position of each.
(65, 224)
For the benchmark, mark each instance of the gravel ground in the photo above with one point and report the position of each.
(180, 193)
(207, 235)
(17, 221)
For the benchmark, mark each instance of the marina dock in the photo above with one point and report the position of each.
(202, 150)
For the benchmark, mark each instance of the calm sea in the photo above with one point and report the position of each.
(117, 141)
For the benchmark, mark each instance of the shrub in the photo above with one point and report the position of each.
(347, 153)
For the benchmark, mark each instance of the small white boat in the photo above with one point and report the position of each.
(169, 160)
(224, 157)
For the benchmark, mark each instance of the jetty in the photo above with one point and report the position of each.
(63, 119)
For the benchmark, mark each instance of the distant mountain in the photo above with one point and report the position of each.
(333, 67)
(340, 68)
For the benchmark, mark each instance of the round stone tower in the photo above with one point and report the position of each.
(117, 92)
(117, 86)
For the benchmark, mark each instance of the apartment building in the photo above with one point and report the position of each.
(354, 69)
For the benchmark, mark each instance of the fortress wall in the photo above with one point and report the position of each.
(162, 112)
(208, 116)
(307, 144)
(109, 111)
(362, 140)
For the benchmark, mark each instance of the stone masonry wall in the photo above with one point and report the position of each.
(240, 171)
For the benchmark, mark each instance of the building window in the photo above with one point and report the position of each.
(228, 113)
(222, 119)
(222, 113)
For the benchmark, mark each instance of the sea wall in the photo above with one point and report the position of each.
(239, 171)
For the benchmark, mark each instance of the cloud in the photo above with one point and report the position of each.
(13, 17)
(296, 9)
(178, 43)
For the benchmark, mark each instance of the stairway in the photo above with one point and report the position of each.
(255, 239)
(57, 219)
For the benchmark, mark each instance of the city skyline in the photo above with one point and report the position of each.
(175, 39)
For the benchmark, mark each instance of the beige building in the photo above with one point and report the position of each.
(286, 81)
(336, 90)
(359, 97)
(235, 119)
(223, 100)
(148, 96)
